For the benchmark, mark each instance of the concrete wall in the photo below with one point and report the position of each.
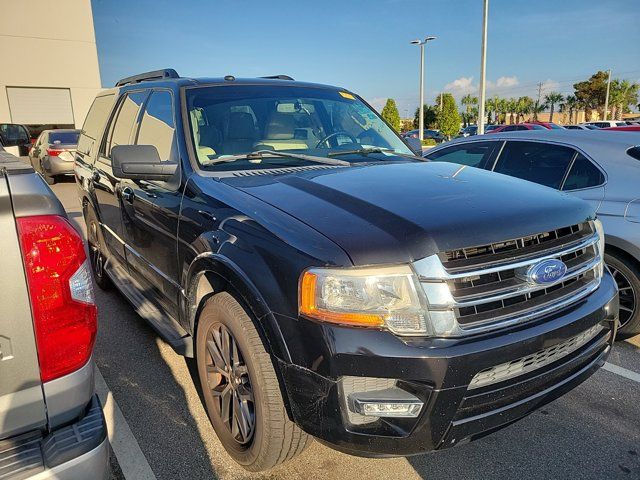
(45, 43)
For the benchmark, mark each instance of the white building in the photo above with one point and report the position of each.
(49, 72)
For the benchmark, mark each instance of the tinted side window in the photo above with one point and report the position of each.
(123, 122)
(537, 162)
(95, 122)
(475, 154)
(583, 174)
(157, 127)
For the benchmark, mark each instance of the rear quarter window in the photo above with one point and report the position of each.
(95, 122)
(634, 152)
(583, 174)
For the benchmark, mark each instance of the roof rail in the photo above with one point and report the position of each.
(154, 75)
(279, 77)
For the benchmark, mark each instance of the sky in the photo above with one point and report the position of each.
(363, 45)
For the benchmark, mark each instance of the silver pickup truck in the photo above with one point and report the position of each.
(51, 422)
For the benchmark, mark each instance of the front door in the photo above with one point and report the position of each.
(150, 209)
(106, 186)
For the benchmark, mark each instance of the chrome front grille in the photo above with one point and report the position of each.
(505, 371)
(484, 287)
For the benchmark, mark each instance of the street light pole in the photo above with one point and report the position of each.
(606, 98)
(421, 119)
(483, 66)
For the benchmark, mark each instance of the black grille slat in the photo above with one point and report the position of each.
(514, 250)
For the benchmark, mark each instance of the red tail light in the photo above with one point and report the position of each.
(52, 152)
(61, 292)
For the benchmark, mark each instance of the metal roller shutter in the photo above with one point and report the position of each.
(32, 106)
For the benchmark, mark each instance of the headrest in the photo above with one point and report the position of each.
(241, 125)
(281, 127)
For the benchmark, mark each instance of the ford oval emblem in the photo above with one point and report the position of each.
(547, 271)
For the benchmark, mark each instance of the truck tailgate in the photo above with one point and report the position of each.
(22, 405)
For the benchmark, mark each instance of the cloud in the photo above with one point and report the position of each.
(378, 103)
(549, 86)
(461, 86)
(507, 82)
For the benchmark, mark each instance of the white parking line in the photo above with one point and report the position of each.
(132, 461)
(623, 372)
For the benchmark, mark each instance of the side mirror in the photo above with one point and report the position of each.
(14, 135)
(414, 145)
(140, 162)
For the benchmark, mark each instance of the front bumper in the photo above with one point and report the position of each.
(79, 450)
(57, 165)
(439, 371)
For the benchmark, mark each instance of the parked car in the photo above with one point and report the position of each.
(625, 128)
(517, 127)
(581, 127)
(51, 422)
(428, 134)
(601, 168)
(606, 123)
(53, 153)
(14, 138)
(329, 283)
(548, 125)
(468, 131)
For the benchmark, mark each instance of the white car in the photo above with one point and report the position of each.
(606, 123)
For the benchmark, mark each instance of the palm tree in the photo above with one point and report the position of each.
(524, 106)
(571, 104)
(468, 101)
(490, 106)
(512, 107)
(551, 99)
(622, 94)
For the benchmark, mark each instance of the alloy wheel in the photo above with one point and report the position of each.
(627, 296)
(229, 383)
(97, 259)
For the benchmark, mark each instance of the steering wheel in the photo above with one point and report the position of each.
(336, 134)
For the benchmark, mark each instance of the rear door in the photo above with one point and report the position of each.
(22, 406)
(105, 185)
(151, 208)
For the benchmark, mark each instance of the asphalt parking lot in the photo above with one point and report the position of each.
(159, 427)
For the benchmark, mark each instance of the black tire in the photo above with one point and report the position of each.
(97, 258)
(627, 275)
(273, 437)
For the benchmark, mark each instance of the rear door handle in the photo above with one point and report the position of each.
(127, 194)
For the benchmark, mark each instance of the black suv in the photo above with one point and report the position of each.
(329, 282)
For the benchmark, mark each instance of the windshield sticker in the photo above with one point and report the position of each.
(347, 95)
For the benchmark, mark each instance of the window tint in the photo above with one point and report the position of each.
(95, 121)
(538, 127)
(512, 128)
(537, 162)
(472, 154)
(634, 152)
(583, 174)
(157, 127)
(122, 125)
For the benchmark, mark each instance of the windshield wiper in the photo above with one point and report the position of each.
(260, 154)
(367, 151)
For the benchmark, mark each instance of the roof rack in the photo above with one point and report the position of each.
(279, 77)
(154, 75)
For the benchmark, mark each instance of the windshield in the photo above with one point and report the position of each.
(67, 138)
(240, 119)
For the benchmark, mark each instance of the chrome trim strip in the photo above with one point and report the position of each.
(505, 321)
(431, 268)
(525, 287)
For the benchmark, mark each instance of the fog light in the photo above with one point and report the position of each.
(392, 402)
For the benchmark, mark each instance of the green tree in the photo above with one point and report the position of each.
(512, 107)
(551, 99)
(469, 102)
(524, 106)
(570, 105)
(448, 117)
(592, 93)
(391, 115)
(429, 117)
(623, 93)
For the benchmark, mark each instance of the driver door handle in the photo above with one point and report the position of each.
(127, 194)
(95, 176)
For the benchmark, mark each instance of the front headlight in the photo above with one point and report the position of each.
(386, 297)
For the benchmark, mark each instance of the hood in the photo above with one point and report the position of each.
(401, 212)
